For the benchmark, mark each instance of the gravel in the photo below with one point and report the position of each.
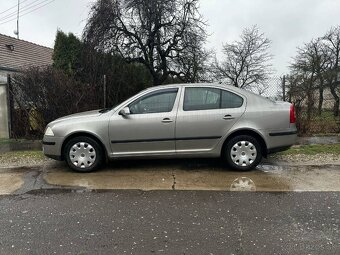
(20, 159)
(303, 159)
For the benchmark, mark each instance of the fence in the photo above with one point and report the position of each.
(41, 95)
(38, 98)
(314, 114)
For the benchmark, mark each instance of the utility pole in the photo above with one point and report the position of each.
(18, 19)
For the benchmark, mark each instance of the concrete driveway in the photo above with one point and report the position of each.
(188, 174)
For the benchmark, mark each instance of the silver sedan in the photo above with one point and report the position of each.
(180, 120)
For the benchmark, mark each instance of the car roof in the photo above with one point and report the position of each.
(194, 85)
(248, 94)
(219, 85)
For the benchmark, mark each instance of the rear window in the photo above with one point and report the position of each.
(210, 98)
(201, 99)
(231, 100)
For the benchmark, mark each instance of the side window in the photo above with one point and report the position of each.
(230, 100)
(160, 101)
(201, 99)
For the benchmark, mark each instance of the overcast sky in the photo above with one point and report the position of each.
(287, 23)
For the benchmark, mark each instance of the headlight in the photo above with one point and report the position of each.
(49, 132)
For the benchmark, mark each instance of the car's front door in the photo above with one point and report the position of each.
(204, 116)
(149, 128)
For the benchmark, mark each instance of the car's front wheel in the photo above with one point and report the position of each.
(243, 152)
(83, 154)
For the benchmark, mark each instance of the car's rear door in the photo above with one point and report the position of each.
(150, 126)
(205, 115)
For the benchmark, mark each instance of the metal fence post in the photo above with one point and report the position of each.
(104, 89)
(284, 88)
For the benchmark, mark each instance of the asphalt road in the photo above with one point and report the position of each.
(170, 207)
(170, 222)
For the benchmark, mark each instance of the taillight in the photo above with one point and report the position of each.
(292, 114)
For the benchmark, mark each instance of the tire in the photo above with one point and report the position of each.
(83, 154)
(242, 153)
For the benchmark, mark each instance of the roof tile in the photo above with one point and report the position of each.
(17, 54)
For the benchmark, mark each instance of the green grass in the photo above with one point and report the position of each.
(313, 149)
(36, 155)
(11, 141)
(325, 134)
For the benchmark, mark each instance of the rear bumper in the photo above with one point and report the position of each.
(286, 133)
(280, 140)
(277, 149)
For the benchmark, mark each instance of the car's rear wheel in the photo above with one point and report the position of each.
(243, 152)
(83, 154)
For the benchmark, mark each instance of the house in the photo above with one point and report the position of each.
(16, 55)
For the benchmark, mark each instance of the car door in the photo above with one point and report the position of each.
(150, 126)
(204, 116)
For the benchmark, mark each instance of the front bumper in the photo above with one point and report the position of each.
(52, 147)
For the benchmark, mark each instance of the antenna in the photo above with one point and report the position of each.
(17, 31)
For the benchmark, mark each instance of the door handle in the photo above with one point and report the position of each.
(228, 117)
(166, 120)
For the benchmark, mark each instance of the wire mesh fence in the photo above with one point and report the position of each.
(315, 112)
(40, 97)
(37, 98)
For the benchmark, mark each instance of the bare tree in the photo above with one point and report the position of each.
(332, 43)
(247, 61)
(155, 33)
(321, 61)
(195, 63)
(311, 66)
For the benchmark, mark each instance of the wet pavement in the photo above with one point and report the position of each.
(189, 206)
(186, 174)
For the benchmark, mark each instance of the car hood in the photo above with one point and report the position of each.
(88, 114)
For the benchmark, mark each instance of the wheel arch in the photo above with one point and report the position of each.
(249, 132)
(86, 134)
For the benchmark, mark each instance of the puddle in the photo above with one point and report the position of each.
(269, 168)
(177, 175)
(243, 184)
(10, 183)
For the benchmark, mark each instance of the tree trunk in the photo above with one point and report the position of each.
(336, 107)
(155, 80)
(336, 99)
(320, 100)
(309, 106)
(310, 100)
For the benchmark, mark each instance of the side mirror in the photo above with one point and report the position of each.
(125, 111)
